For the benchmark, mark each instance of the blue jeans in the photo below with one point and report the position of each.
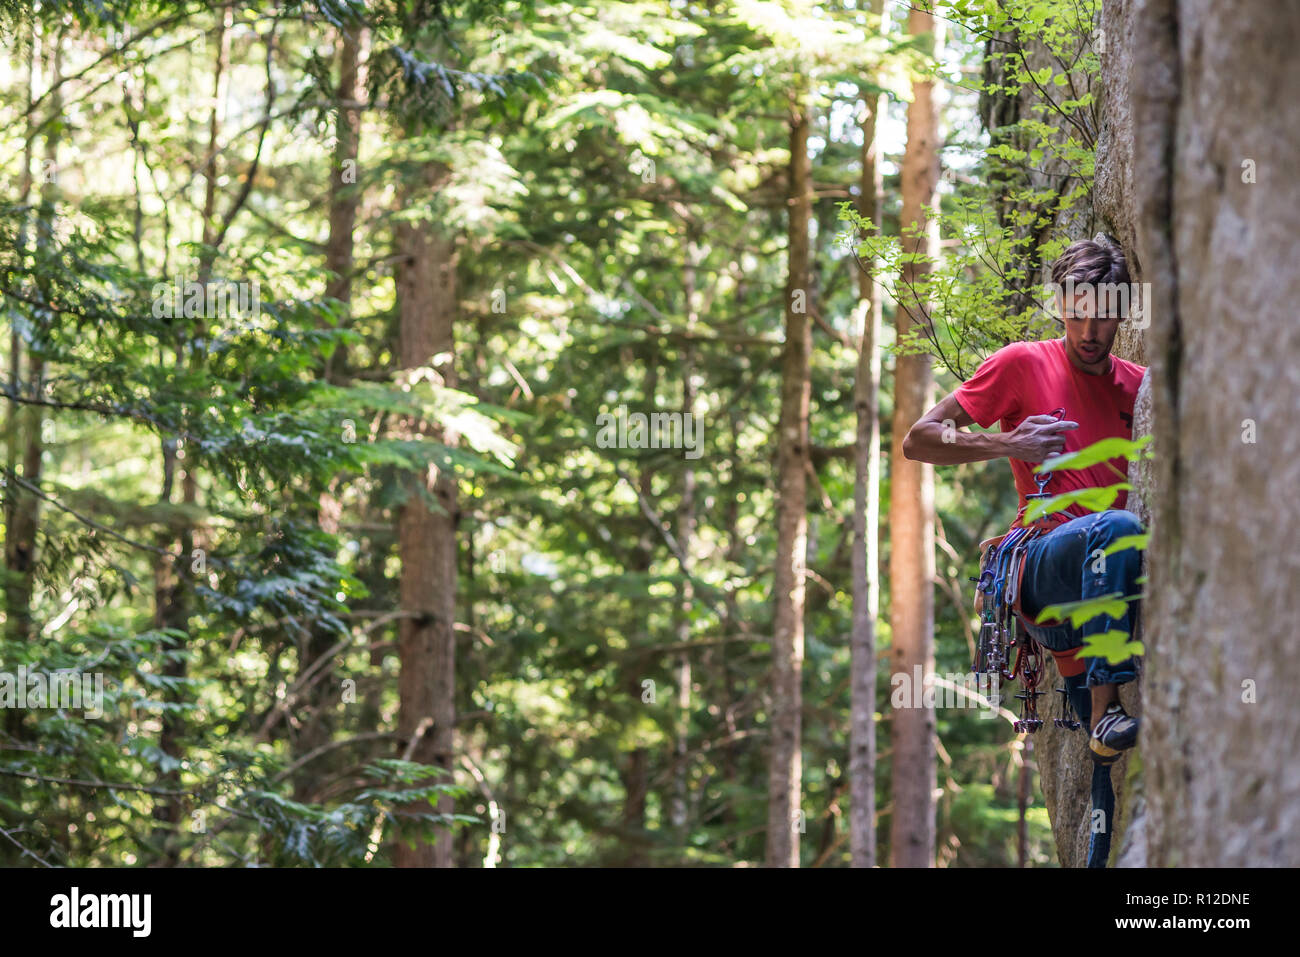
(1065, 565)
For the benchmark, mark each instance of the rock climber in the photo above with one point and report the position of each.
(1017, 386)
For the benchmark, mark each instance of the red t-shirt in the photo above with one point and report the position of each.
(1032, 378)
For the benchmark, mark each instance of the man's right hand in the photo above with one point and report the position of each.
(1037, 437)
(938, 437)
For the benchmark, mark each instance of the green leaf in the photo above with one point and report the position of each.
(1093, 499)
(1114, 646)
(1126, 542)
(1079, 612)
(1101, 451)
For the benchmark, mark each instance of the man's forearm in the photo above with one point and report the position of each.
(939, 445)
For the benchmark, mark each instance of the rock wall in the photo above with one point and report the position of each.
(1215, 139)
(1113, 203)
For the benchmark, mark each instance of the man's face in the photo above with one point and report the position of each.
(1088, 335)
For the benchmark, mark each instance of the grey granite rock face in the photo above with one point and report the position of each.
(1215, 94)
(1141, 473)
(1114, 209)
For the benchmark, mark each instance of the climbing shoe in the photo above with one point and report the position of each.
(1117, 731)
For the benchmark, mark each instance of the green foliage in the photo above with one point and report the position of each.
(998, 226)
(1126, 542)
(1114, 646)
(1095, 499)
(1100, 451)
(1079, 612)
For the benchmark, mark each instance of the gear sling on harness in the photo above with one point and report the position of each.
(1003, 630)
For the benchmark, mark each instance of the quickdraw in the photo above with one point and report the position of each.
(1002, 630)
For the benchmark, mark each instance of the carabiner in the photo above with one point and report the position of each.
(1043, 478)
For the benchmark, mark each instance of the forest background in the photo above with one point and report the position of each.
(315, 315)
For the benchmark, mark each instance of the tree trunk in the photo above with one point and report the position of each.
(911, 505)
(785, 769)
(426, 294)
(20, 533)
(22, 503)
(344, 196)
(344, 189)
(685, 540)
(636, 785)
(174, 572)
(866, 521)
(1218, 233)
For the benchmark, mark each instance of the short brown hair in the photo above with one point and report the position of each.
(1099, 265)
(1096, 261)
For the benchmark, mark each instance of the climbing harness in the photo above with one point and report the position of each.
(1002, 625)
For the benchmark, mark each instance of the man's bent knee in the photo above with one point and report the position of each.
(1118, 522)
